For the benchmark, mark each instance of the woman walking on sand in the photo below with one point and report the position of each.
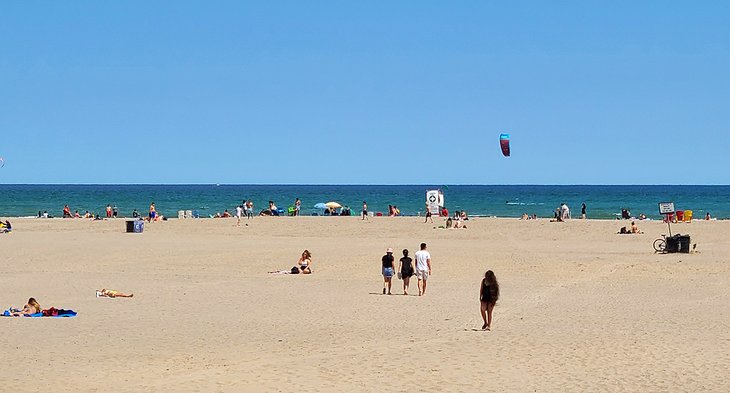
(388, 270)
(405, 270)
(488, 295)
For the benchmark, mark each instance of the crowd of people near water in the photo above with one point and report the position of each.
(246, 210)
(111, 211)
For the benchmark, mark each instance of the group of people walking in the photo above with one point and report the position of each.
(406, 269)
(488, 290)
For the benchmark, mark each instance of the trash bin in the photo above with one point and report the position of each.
(672, 244)
(135, 226)
(683, 243)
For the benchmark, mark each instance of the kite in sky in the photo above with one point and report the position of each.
(504, 143)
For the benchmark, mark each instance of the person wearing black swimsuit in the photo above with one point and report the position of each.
(488, 295)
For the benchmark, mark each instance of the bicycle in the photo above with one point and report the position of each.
(660, 244)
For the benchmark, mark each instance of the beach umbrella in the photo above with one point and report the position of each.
(320, 206)
(333, 205)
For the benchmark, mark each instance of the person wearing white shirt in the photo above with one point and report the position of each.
(564, 211)
(423, 268)
(239, 213)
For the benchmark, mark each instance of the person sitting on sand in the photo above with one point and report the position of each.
(66, 211)
(29, 309)
(5, 227)
(708, 217)
(226, 214)
(459, 223)
(305, 262)
(273, 210)
(76, 214)
(112, 293)
(524, 216)
(634, 228)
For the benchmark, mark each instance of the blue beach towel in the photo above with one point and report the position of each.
(62, 314)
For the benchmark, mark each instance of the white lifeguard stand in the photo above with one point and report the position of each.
(435, 201)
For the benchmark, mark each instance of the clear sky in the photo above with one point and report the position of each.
(371, 92)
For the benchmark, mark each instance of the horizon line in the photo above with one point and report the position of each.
(351, 184)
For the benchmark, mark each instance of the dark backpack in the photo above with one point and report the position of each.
(295, 270)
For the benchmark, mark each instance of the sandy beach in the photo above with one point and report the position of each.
(581, 308)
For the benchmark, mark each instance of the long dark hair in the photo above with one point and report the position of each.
(491, 280)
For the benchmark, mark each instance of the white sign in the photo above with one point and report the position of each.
(433, 201)
(666, 207)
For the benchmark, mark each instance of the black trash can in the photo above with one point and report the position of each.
(130, 226)
(683, 243)
(672, 244)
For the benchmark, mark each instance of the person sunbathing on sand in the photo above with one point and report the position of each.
(459, 223)
(29, 309)
(634, 228)
(305, 262)
(112, 293)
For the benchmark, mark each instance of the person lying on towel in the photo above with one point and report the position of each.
(29, 309)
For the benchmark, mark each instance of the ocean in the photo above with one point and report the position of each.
(603, 202)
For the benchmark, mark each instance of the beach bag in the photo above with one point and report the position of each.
(51, 312)
(295, 270)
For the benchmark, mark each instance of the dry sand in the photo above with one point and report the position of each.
(582, 308)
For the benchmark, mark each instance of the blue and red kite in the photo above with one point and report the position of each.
(504, 143)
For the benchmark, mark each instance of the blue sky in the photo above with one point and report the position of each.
(381, 92)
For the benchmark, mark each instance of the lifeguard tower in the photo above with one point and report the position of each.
(434, 201)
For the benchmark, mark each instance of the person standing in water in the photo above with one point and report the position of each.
(488, 296)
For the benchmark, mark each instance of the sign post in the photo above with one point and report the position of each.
(665, 209)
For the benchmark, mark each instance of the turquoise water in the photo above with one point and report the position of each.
(500, 200)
